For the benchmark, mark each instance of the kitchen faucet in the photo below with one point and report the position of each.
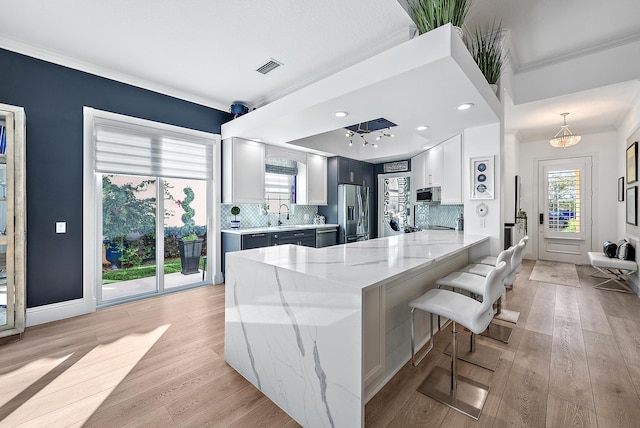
(279, 213)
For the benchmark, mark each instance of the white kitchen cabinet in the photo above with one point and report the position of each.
(452, 163)
(418, 180)
(243, 165)
(312, 181)
(433, 166)
(426, 168)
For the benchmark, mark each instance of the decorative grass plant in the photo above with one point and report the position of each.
(487, 50)
(430, 14)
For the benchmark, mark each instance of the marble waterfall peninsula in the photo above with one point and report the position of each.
(321, 330)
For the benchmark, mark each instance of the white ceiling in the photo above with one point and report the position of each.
(208, 51)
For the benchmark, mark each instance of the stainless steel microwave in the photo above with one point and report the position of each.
(428, 194)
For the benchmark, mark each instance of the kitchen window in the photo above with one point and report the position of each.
(280, 183)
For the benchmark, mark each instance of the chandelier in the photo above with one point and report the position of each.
(364, 132)
(564, 137)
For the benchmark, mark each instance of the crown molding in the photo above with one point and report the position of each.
(556, 59)
(73, 63)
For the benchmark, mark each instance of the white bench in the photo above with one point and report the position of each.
(613, 269)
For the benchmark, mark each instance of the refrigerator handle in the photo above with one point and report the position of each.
(359, 209)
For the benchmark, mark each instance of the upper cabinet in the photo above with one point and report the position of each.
(428, 170)
(433, 166)
(351, 171)
(243, 169)
(12, 220)
(312, 181)
(452, 164)
(418, 172)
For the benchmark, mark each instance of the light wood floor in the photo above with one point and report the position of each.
(573, 360)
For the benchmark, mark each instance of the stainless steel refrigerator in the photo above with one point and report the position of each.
(353, 212)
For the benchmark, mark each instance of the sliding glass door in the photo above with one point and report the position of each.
(154, 197)
(145, 253)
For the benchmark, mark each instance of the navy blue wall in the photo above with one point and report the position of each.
(53, 97)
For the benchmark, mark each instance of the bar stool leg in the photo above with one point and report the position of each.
(454, 359)
(497, 331)
(458, 392)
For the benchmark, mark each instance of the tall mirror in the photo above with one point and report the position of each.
(12, 233)
(394, 198)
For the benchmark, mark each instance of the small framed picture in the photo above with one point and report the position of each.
(621, 189)
(632, 205)
(482, 174)
(632, 163)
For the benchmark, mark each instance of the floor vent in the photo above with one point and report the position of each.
(271, 65)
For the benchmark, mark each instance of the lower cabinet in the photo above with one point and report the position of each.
(236, 242)
(255, 240)
(306, 237)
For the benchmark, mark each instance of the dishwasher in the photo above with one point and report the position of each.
(326, 236)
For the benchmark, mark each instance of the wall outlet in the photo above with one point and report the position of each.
(61, 227)
(482, 222)
(307, 217)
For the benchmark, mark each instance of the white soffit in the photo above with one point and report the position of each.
(418, 82)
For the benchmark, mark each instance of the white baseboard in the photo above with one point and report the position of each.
(56, 311)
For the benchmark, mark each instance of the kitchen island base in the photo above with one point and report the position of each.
(320, 331)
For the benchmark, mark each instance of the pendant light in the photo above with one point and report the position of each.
(564, 137)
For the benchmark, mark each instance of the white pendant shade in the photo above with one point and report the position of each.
(564, 137)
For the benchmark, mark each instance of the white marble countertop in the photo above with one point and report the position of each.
(366, 263)
(250, 230)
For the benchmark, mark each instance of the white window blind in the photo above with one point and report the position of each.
(127, 148)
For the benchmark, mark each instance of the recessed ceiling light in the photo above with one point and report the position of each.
(341, 114)
(465, 106)
(257, 140)
(421, 127)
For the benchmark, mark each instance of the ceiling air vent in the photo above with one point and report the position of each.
(270, 65)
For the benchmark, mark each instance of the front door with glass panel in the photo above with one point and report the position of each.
(565, 208)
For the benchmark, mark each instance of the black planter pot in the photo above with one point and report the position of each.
(190, 255)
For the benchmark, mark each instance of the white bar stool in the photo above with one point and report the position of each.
(493, 260)
(507, 314)
(475, 284)
(458, 392)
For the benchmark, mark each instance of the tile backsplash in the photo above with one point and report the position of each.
(437, 215)
(251, 215)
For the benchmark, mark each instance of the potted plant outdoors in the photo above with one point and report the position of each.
(430, 14)
(235, 223)
(190, 245)
(487, 50)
